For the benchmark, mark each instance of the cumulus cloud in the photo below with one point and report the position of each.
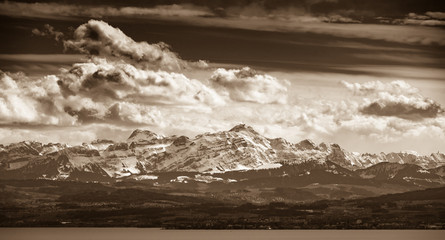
(396, 98)
(411, 107)
(31, 101)
(100, 90)
(107, 80)
(126, 83)
(247, 85)
(48, 31)
(99, 38)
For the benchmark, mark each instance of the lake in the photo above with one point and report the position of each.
(149, 233)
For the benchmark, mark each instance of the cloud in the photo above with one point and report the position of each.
(254, 10)
(247, 85)
(343, 122)
(436, 15)
(31, 101)
(115, 90)
(125, 84)
(368, 88)
(48, 31)
(429, 19)
(99, 38)
(308, 16)
(174, 10)
(108, 80)
(74, 10)
(402, 106)
(100, 90)
(396, 98)
(401, 133)
(336, 18)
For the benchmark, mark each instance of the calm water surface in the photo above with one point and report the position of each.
(148, 233)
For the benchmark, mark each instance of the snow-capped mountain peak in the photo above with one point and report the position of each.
(243, 127)
(140, 135)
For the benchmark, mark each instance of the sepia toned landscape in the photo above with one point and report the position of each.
(309, 114)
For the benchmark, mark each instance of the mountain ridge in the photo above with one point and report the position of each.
(239, 149)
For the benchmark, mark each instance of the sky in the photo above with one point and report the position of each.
(368, 75)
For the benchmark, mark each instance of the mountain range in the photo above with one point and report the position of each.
(145, 154)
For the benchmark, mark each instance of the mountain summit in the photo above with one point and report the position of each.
(142, 135)
(243, 127)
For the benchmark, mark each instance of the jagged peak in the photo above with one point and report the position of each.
(243, 127)
(335, 145)
(306, 144)
(140, 134)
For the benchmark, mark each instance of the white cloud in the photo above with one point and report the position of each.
(410, 107)
(105, 80)
(396, 98)
(125, 85)
(99, 38)
(31, 101)
(247, 85)
(100, 90)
